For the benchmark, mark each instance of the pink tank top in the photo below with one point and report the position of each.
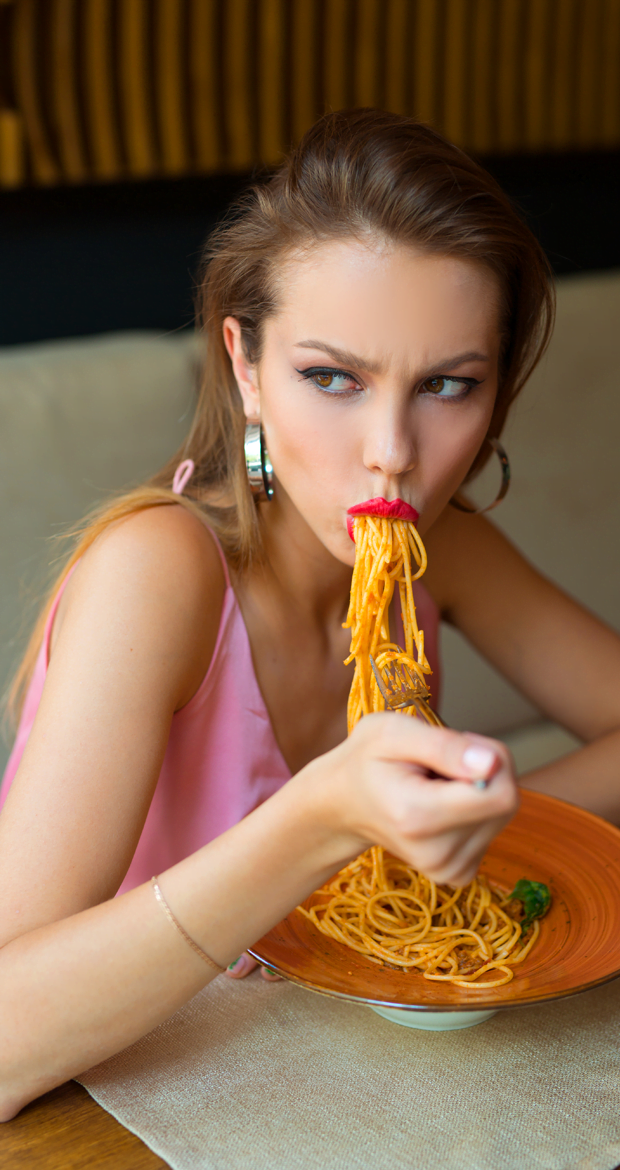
(222, 758)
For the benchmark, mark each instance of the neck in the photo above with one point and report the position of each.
(297, 568)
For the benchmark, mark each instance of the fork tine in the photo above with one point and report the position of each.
(380, 683)
(392, 700)
(412, 680)
(404, 689)
(395, 678)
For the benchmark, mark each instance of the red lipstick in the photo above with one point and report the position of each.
(394, 509)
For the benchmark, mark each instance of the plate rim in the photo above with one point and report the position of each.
(469, 1005)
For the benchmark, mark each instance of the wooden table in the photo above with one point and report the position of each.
(67, 1130)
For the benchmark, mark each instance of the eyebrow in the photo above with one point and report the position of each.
(345, 358)
(342, 356)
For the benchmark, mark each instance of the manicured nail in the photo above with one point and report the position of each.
(241, 966)
(478, 761)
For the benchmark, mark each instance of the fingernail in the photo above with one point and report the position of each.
(241, 966)
(478, 760)
(269, 975)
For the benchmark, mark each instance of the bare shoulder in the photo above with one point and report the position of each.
(133, 641)
(159, 573)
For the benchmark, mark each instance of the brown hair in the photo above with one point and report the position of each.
(355, 173)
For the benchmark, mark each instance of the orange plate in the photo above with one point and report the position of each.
(575, 853)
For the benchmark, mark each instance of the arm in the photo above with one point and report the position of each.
(557, 653)
(77, 990)
(81, 977)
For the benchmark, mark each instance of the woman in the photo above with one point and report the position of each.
(376, 306)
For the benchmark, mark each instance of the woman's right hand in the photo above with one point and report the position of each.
(382, 789)
(379, 788)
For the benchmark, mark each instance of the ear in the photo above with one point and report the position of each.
(245, 374)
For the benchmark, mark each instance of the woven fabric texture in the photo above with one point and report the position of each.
(258, 1076)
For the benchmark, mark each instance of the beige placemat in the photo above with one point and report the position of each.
(258, 1076)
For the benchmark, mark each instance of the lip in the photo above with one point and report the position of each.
(393, 509)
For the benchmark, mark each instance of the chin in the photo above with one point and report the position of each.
(340, 547)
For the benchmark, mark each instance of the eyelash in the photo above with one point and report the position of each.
(314, 372)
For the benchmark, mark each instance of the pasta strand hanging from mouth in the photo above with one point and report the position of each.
(384, 550)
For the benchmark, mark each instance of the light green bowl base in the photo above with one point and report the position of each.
(432, 1021)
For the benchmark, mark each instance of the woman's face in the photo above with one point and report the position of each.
(377, 378)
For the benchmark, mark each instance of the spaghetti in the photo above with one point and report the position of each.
(379, 905)
(394, 916)
(383, 552)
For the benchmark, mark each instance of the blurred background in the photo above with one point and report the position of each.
(126, 128)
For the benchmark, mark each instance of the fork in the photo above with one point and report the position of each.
(406, 689)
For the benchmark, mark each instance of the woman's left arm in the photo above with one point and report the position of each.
(558, 654)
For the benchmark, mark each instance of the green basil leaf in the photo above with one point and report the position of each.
(536, 899)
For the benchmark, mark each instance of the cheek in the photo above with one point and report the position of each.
(451, 443)
(307, 437)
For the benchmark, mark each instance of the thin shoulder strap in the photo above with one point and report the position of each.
(182, 476)
(51, 617)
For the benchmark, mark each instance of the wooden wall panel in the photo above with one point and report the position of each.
(425, 61)
(65, 97)
(170, 75)
(457, 66)
(537, 36)
(271, 79)
(610, 76)
(46, 167)
(303, 69)
(337, 54)
(97, 52)
(135, 86)
(397, 59)
(203, 68)
(238, 96)
(129, 89)
(481, 76)
(368, 54)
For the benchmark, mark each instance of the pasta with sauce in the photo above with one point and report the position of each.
(378, 905)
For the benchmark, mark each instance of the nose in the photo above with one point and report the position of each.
(390, 443)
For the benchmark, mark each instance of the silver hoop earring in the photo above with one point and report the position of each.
(258, 463)
(505, 484)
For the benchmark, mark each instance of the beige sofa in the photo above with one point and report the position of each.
(81, 418)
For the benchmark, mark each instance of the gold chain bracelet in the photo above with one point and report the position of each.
(190, 942)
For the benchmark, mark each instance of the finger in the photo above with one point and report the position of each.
(270, 976)
(241, 966)
(454, 754)
(454, 859)
(436, 807)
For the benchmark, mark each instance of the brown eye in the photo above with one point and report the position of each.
(445, 387)
(334, 382)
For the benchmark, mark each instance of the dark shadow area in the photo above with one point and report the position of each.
(82, 260)
(570, 201)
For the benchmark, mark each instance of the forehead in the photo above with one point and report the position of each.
(385, 298)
